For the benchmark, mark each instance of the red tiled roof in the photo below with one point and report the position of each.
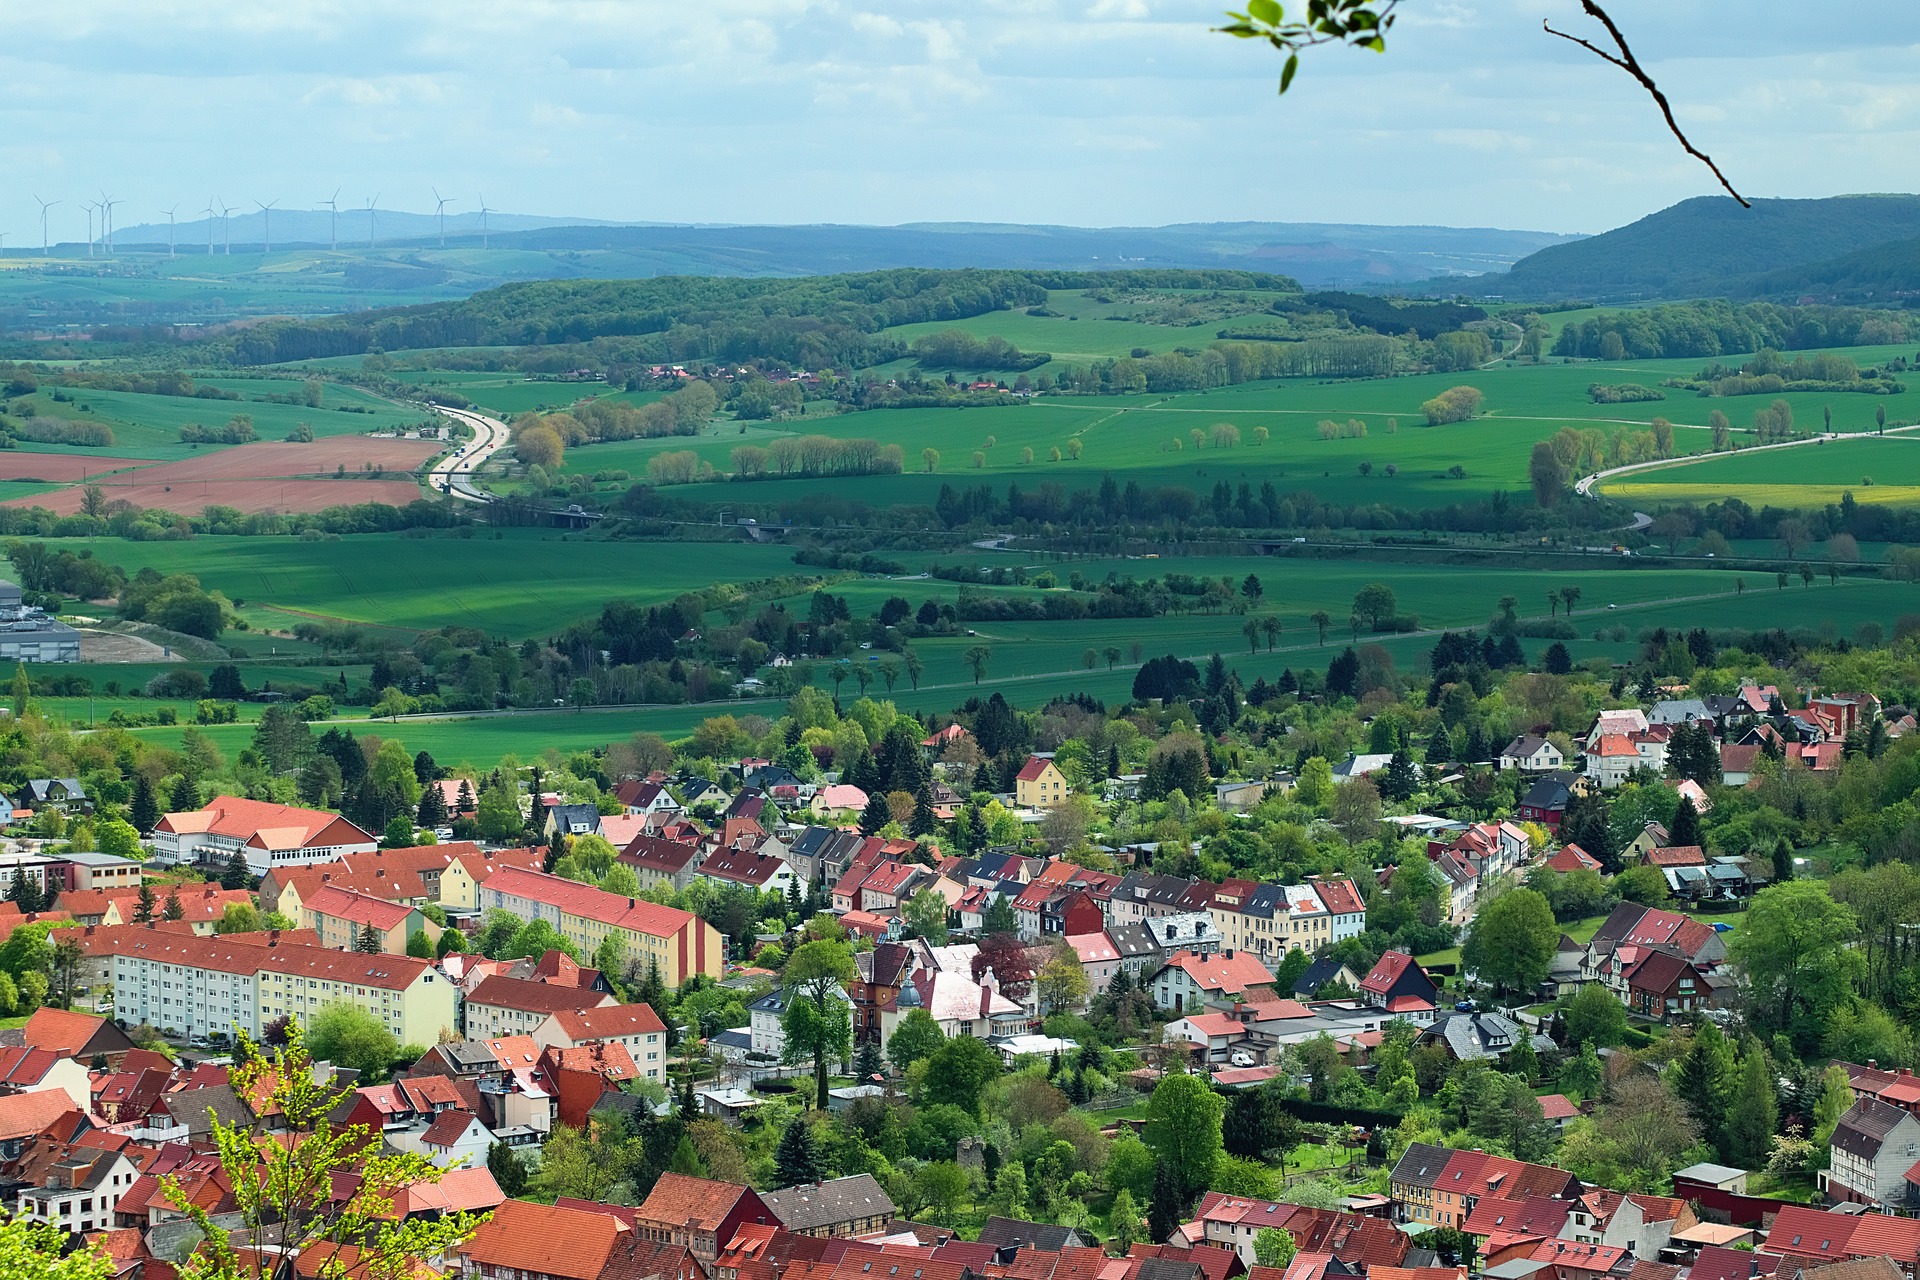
(357, 908)
(447, 1128)
(258, 823)
(24, 1114)
(697, 1204)
(1033, 768)
(546, 1240)
(1556, 1106)
(1386, 972)
(60, 1030)
(1230, 974)
(608, 1021)
(1341, 896)
(501, 992)
(587, 902)
(1573, 858)
(1679, 855)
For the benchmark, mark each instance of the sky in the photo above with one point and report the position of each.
(1083, 112)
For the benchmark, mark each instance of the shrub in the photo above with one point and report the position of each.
(1456, 404)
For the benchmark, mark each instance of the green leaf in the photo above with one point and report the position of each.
(1286, 74)
(1267, 11)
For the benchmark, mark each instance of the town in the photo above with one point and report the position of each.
(747, 1015)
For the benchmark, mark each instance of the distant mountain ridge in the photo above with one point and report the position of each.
(1710, 247)
(1320, 255)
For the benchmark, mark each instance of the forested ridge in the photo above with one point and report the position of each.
(814, 320)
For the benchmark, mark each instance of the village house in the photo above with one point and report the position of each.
(1039, 784)
(1531, 753)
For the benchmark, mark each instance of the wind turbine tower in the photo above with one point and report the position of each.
(44, 206)
(89, 208)
(266, 227)
(371, 202)
(483, 221)
(440, 212)
(333, 219)
(170, 231)
(226, 229)
(209, 226)
(106, 220)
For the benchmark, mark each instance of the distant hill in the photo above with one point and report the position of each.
(1708, 246)
(1882, 275)
(1320, 255)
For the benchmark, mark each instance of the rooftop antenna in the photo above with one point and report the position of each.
(44, 206)
(266, 223)
(209, 226)
(333, 219)
(483, 221)
(372, 200)
(170, 231)
(440, 212)
(226, 229)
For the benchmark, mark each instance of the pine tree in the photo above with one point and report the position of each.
(508, 1172)
(796, 1161)
(1783, 860)
(1685, 828)
(1705, 1080)
(537, 814)
(1123, 1222)
(174, 910)
(923, 822)
(1439, 746)
(433, 807)
(876, 815)
(24, 892)
(143, 906)
(1165, 1210)
(465, 800)
(1754, 1112)
(185, 797)
(686, 1160)
(369, 943)
(1113, 771)
(689, 1103)
(867, 1063)
(144, 811)
(236, 875)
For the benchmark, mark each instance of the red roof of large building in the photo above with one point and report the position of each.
(1033, 768)
(697, 1204)
(262, 825)
(1230, 973)
(357, 908)
(583, 900)
(60, 1030)
(1342, 896)
(502, 992)
(1385, 972)
(607, 1022)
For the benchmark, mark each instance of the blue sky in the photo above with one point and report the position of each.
(1090, 112)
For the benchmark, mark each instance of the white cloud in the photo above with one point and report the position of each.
(1082, 111)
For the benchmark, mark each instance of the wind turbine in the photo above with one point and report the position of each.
(44, 206)
(170, 231)
(89, 208)
(333, 219)
(266, 223)
(372, 200)
(483, 221)
(226, 229)
(106, 220)
(209, 226)
(440, 212)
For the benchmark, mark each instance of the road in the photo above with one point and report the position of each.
(1584, 486)
(453, 474)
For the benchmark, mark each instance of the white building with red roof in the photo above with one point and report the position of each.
(1344, 903)
(267, 835)
(1188, 981)
(1399, 985)
(636, 1026)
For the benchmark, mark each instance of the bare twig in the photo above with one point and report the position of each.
(1631, 65)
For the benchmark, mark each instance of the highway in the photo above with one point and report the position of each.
(453, 474)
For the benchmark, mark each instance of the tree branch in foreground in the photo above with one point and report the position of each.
(1625, 60)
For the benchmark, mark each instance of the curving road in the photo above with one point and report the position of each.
(453, 474)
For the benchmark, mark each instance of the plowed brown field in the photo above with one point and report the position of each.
(263, 476)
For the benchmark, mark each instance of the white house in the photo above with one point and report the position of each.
(452, 1138)
(81, 1192)
(1531, 753)
(766, 1021)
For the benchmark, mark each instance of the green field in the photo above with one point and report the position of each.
(146, 426)
(526, 582)
(1876, 469)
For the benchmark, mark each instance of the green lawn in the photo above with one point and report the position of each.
(146, 426)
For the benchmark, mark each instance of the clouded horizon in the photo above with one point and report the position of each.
(1097, 113)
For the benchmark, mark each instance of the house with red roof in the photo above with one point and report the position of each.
(698, 1214)
(1214, 1035)
(1399, 985)
(25, 1069)
(528, 1241)
(81, 1036)
(503, 1006)
(636, 1026)
(1039, 784)
(1643, 1224)
(1099, 958)
(1188, 981)
(343, 918)
(266, 835)
(1661, 985)
(1871, 1153)
(1573, 858)
(657, 860)
(1358, 1241)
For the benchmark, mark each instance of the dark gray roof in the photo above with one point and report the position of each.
(191, 1107)
(1421, 1165)
(1038, 1235)
(1317, 975)
(1131, 940)
(1551, 792)
(814, 1205)
(1865, 1127)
